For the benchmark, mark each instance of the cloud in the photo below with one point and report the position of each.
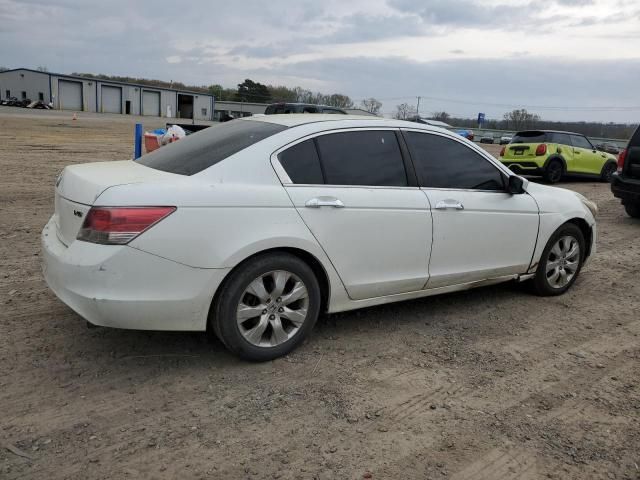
(499, 51)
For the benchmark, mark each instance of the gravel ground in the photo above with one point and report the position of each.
(493, 383)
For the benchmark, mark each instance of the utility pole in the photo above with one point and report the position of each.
(418, 108)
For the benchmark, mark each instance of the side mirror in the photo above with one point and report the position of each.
(516, 185)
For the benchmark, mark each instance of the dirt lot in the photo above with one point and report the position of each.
(489, 384)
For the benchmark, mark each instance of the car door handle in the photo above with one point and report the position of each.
(447, 204)
(324, 202)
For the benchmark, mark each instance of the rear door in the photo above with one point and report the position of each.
(352, 190)
(586, 158)
(479, 230)
(563, 147)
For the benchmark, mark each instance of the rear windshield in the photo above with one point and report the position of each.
(529, 137)
(207, 147)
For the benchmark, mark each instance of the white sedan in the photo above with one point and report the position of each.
(252, 228)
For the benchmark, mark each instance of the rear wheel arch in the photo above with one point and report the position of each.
(556, 157)
(310, 259)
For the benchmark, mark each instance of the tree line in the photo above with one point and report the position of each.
(521, 119)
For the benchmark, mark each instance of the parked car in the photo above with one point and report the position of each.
(504, 139)
(278, 108)
(468, 134)
(608, 148)
(486, 138)
(252, 228)
(553, 154)
(625, 183)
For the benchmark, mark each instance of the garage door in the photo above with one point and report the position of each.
(70, 94)
(111, 99)
(151, 103)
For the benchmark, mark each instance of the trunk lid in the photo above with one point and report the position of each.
(79, 186)
(520, 151)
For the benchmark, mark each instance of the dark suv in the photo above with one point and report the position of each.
(276, 108)
(625, 183)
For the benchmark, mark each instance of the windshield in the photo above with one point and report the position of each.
(207, 147)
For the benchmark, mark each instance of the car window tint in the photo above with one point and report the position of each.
(302, 164)
(580, 142)
(560, 138)
(362, 158)
(207, 147)
(533, 136)
(445, 163)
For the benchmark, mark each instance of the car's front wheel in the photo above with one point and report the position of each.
(561, 261)
(267, 306)
(607, 171)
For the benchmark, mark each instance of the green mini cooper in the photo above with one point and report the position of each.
(553, 154)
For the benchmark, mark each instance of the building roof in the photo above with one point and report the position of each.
(104, 80)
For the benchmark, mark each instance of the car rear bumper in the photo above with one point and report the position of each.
(523, 167)
(122, 287)
(626, 189)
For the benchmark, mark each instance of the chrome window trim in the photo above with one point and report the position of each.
(286, 180)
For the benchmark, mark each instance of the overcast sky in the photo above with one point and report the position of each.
(562, 59)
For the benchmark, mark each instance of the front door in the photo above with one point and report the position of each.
(479, 230)
(351, 190)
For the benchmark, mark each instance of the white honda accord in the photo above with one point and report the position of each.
(252, 228)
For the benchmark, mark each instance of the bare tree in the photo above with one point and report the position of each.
(371, 105)
(441, 116)
(404, 111)
(520, 119)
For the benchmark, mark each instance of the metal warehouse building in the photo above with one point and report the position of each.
(85, 94)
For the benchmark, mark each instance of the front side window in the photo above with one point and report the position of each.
(302, 164)
(581, 142)
(209, 146)
(442, 162)
(370, 157)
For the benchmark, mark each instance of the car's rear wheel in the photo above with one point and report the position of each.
(607, 171)
(632, 209)
(267, 306)
(553, 172)
(561, 261)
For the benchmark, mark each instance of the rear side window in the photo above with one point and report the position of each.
(302, 164)
(362, 158)
(560, 138)
(445, 163)
(581, 142)
(529, 137)
(207, 147)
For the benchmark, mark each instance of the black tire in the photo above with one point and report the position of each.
(607, 171)
(632, 209)
(554, 171)
(541, 284)
(223, 318)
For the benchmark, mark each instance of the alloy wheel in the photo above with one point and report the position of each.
(563, 262)
(272, 308)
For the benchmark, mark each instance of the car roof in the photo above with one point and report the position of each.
(550, 131)
(344, 121)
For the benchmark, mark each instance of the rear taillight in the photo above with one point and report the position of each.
(119, 225)
(541, 150)
(502, 150)
(621, 156)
